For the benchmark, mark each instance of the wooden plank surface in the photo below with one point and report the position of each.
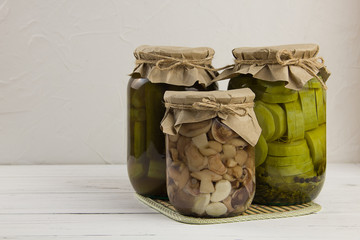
(97, 202)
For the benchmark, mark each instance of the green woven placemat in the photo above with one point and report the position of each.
(255, 212)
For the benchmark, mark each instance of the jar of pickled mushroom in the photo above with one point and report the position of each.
(290, 105)
(157, 70)
(210, 139)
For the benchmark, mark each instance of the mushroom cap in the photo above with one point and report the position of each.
(207, 151)
(222, 191)
(237, 142)
(179, 174)
(216, 146)
(195, 129)
(206, 178)
(216, 165)
(229, 151)
(237, 172)
(195, 160)
(239, 198)
(230, 163)
(249, 180)
(200, 141)
(250, 162)
(192, 188)
(174, 154)
(206, 174)
(181, 144)
(173, 138)
(216, 209)
(183, 202)
(227, 203)
(241, 157)
(221, 132)
(228, 177)
(200, 203)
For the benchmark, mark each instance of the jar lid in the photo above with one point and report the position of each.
(181, 66)
(243, 95)
(233, 107)
(156, 52)
(295, 64)
(266, 53)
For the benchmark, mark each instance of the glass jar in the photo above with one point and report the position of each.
(146, 160)
(210, 166)
(290, 106)
(291, 152)
(146, 153)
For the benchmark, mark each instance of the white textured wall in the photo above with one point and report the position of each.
(64, 66)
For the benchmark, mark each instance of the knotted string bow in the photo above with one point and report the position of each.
(207, 104)
(162, 62)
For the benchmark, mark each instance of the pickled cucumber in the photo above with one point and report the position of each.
(136, 170)
(266, 120)
(157, 169)
(137, 97)
(137, 114)
(308, 106)
(261, 150)
(279, 117)
(154, 114)
(139, 139)
(295, 121)
(137, 167)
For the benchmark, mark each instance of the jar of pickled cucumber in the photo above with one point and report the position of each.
(210, 138)
(290, 105)
(157, 70)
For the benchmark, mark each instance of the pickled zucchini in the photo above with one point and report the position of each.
(292, 170)
(276, 97)
(261, 150)
(320, 107)
(275, 87)
(295, 121)
(266, 120)
(278, 161)
(317, 145)
(308, 106)
(279, 118)
(285, 149)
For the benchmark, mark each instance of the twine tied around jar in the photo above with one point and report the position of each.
(286, 58)
(163, 63)
(207, 104)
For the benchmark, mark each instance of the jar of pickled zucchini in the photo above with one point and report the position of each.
(210, 138)
(290, 105)
(157, 70)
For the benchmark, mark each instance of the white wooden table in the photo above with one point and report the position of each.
(97, 202)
